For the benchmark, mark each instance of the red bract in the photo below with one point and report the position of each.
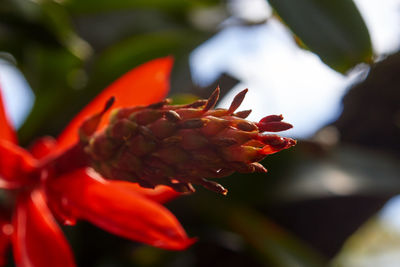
(46, 183)
(6, 131)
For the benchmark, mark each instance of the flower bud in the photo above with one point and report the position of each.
(181, 145)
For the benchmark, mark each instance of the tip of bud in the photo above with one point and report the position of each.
(89, 126)
(259, 168)
(185, 188)
(213, 186)
(108, 104)
(273, 123)
(237, 101)
(273, 126)
(274, 143)
(212, 100)
(243, 114)
(271, 118)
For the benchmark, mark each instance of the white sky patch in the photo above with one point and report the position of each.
(250, 10)
(390, 213)
(383, 19)
(17, 94)
(282, 78)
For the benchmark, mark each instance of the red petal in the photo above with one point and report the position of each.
(119, 210)
(37, 239)
(43, 146)
(15, 165)
(143, 85)
(5, 231)
(7, 132)
(160, 194)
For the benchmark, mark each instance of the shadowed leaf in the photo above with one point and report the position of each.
(334, 30)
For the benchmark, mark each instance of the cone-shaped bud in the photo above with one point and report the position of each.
(181, 145)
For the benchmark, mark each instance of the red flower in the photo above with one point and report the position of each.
(42, 186)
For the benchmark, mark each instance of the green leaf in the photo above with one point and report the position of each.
(274, 245)
(181, 99)
(50, 74)
(377, 241)
(89, 6)
(334, 30)
(46, 21)
(58, 21)
(269, 243)
(122, 56)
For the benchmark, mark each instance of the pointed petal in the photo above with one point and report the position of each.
(7, 131)
(118, 210)
(212, 100)
(15, 164)
(237, 101)
(143, 85)
(274, 126)
(37, 239)
(273, 123)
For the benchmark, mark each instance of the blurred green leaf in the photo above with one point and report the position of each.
(57, 20)
(45, 21)
(274, 246)
(375, 243)
(136, 49)
(334, 30)
(48, 71)
(122, 56)
(21, 26)
(181, 99)
(106, 5)
(146, 256)
(269, 243)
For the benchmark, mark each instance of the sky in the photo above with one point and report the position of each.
(16, 92)
(283, 78)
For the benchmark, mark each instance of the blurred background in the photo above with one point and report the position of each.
(332, 68)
